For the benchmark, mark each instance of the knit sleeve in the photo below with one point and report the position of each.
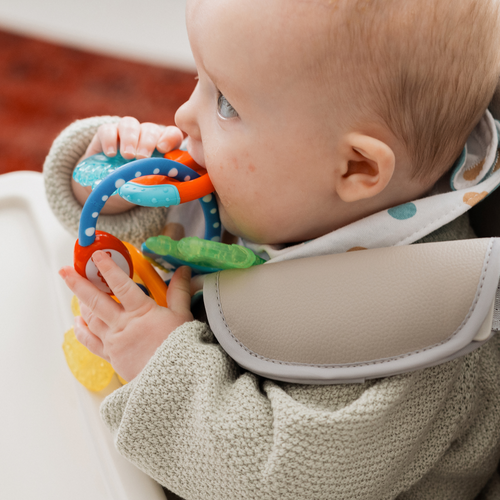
(134, 226)
(206, 429)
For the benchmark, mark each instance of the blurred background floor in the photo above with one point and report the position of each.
(45, 86)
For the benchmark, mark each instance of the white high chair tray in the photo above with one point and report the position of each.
(53, 444)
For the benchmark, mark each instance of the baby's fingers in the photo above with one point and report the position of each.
(170, 138)
(95, 324)
(129, 131)
(105, 141)
(88, 339)
(124, 289)
(101, 304)
(150, 133)
(179, 293)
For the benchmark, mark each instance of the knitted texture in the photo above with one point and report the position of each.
(208, 430)
(205, 429)
(134, 226)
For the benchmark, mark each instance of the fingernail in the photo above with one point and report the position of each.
(163, 146)
(143, 152)
(110, 151)
(63, 274)
(186, 272)
(130, 150)
(98, 256)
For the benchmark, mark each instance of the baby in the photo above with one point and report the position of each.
(309, 116)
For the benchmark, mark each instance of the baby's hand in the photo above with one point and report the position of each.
(135, 140)
(126, 334)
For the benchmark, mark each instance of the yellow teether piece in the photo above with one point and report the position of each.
(90, 370)
(75, 306)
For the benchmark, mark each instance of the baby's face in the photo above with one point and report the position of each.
(256, 120)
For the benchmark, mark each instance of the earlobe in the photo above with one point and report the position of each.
(367, 167)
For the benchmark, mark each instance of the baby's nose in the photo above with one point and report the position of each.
(186, 119)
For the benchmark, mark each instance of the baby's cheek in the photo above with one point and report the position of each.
(233, 176)
(227, 183)
(224, 200)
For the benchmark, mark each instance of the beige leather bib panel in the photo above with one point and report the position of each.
(358, 308)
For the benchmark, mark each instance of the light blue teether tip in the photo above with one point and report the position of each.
(158, 195)
(95, 168)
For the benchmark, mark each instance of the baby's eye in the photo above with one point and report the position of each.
(225, 109)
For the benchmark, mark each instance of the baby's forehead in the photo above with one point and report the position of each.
(283, 36)
(327, 43)
(263, 39)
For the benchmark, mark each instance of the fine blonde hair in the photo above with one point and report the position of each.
(427, 68)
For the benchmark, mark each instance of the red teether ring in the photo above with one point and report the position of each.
(113, 247)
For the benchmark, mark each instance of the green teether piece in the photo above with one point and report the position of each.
(204, 252)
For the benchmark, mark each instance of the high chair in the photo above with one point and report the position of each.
(54, 444)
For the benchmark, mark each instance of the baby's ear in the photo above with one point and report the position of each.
(367, 166)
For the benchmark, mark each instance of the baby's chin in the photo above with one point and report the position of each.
(250, 234)
(231, 227)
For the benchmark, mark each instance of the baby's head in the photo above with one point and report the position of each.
(311, 114)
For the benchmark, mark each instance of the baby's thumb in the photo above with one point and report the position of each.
(178, 293)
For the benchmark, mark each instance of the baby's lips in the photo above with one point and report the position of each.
(198, 158)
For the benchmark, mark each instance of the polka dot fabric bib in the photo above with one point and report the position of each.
(475, 174)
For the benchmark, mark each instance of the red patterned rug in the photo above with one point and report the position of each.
(44, 87)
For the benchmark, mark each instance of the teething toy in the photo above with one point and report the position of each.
(201, 255)
(149, 182)
(113, 247)
(90, 240)
(89, 369)
(95, 168)
(150, 190)
(156, 286)
(194, 186)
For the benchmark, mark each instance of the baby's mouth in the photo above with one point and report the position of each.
(198, 158)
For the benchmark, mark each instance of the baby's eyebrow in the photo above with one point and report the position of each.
(226, 84)
(221, 86)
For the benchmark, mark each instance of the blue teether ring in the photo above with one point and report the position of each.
(134, 170)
